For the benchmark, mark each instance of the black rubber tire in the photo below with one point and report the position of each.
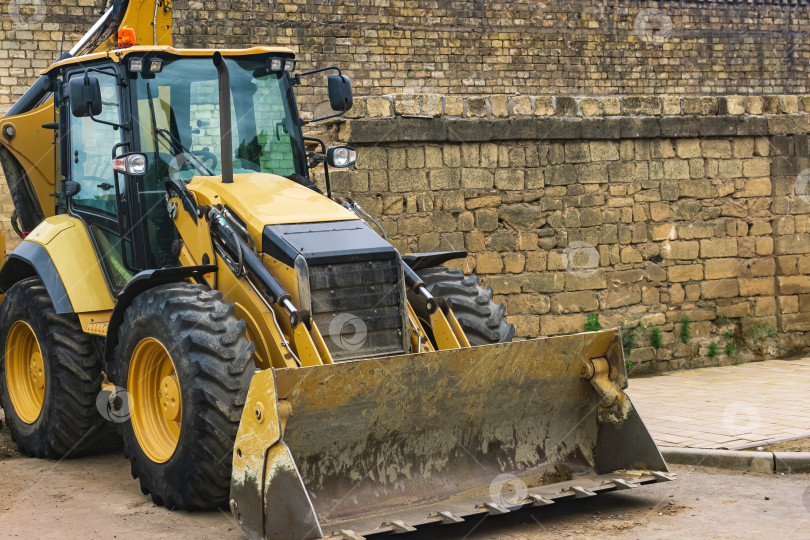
(214, 363)
(483, 321)
(69, 424)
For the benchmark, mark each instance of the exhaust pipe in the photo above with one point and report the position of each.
(224, 118)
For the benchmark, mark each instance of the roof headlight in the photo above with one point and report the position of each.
(136, 65)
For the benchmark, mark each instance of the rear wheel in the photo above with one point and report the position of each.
(483, 321)
(50, 376)
(185, 363)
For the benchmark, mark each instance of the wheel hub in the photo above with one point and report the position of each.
(25, 372)
(37, 370)
(156, 407)
(169, 395)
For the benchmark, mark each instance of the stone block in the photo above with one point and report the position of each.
(543, 106)
(791, 244)
(788, 304)
(488, 263)
(797, 322)
(378, 107)
(688, 148)
(718, 247)
(735, 311)
(685, 272)
(585, 280)
(684, 250)
(611, 106)
(477, 178)
(690, 231)
(590, 107)
(574, 302)
(793, 284)
(764, 246)
(719, 288)
(642, 105)
(562, 324)
(764, 306)
(755, 187)
(566, 106)
(723, 268)
(626, 296)
(604, 151)
(514, 263)
(546, 282)
(486, 219)
(757, 167)
(509, 179)
(756, 286)
(716, 148)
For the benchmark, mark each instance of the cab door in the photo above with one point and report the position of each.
(102, 196)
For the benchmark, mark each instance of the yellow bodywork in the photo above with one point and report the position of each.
(33, 148)
(68, 243)
(117, 55)
(266, 199)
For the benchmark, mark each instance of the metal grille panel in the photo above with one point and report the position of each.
(358, 308)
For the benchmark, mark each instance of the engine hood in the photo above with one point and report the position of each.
(262, 199)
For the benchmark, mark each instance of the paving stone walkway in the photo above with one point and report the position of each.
(730, 407)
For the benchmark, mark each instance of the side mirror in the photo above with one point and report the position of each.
(340, 92)
(85, 96)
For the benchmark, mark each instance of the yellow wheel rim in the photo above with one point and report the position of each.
(156, 409)
(25, 372)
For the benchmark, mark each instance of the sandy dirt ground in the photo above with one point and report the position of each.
(796, 445)
(96, 497)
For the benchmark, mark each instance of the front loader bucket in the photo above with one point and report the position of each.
(387, 445)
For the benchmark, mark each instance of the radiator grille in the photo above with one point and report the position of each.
(358, 307)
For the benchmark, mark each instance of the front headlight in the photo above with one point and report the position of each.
(134, 164)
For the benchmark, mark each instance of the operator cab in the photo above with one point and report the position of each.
(140, 118)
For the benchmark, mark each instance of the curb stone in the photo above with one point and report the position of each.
(740, 460)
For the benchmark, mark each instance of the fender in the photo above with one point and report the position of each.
(142, 282)
(60, 252)
(29, 260)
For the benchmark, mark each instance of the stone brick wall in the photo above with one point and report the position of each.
(640, 210)
(598, 47)
(527, 46)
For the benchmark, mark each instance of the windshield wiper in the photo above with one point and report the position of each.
(170, 137)
(175, 141)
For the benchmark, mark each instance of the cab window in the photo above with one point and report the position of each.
(91, 152)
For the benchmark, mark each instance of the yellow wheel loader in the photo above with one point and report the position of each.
(257, 343)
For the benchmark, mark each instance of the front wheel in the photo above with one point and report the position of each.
(483, 321)
(186, 365)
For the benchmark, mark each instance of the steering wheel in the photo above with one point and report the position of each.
(186, 161)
